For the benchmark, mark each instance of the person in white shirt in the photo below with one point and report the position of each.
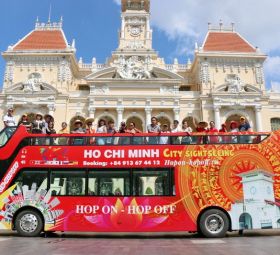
(9, 119)
(175, 129)
(164, 139)
(187, 129)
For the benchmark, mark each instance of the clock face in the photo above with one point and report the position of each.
(253, 190)
(135, 30)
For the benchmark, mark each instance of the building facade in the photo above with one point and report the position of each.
(224, 81)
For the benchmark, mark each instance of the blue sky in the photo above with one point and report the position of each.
(177, 25)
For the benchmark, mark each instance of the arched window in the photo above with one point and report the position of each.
(275, 124)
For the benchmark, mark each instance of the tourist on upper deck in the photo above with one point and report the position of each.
(90, 129)
(201, 127)
(164, 139)
(122, 128)
(9, 120)
(64, 129)
(223, 128)
(153, 128)
(78, 127)
(212, 130)
(234, 129)
(25, 122)
(102, 129)
(131, 129)
(111, 129)
(224, 139)
(50, 130)
(37, 124)
(175, 129)
(187, 129)
(89, 123)
(244, 125)
(47, 119)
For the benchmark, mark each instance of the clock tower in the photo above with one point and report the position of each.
(136, 33)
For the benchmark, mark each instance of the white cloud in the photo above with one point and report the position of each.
(275, 86)
(185, 21)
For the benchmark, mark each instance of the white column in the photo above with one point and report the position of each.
(217, 117)
(123, 27)
(148, 116)
(120, 115)
(91, 112)
(51, 108)
(148, 28)
(177, 114)
(258, 118)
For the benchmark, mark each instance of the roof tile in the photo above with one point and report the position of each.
(43, 40)
(228, 42)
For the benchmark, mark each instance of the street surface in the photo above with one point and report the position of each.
(254, 242)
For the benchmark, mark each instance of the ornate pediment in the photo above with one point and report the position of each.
(234, 85)
(33, 85)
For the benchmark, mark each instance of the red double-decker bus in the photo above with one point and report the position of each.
(139, 183)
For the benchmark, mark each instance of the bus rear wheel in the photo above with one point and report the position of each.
(214, 223)
(29, 223)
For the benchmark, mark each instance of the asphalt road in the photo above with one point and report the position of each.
(257, 243)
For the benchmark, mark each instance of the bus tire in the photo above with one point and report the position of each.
(213, 223)
(29, 223)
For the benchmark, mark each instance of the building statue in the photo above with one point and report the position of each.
(132, 68)
(33, 84)
(235, 85)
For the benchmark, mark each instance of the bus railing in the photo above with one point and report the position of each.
(147, 139)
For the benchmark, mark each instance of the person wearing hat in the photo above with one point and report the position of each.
(9, 120)
(78, 129)
(25, 122)
(244, 126)
(37, 124)
(201, 127)
(89, 123)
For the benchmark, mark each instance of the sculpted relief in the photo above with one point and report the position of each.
(133, 68)
(33, 84)
(235, 84)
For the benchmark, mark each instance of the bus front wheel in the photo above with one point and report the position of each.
(29, 223)
(214, 223)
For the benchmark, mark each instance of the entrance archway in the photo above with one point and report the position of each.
(72, 121)
(138, 122)
(245, 221)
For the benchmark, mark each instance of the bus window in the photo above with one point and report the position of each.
(152, 182)
(35, 179)
(68, 183)
(109, 183)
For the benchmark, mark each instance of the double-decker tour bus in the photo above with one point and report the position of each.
(210, 183)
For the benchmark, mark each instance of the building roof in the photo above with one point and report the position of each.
(227, 42)
(43, 38)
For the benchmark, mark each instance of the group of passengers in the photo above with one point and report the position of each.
(45, 125)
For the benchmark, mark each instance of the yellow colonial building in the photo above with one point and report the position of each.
(224, 81)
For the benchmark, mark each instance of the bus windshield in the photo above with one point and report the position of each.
(6, 134)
